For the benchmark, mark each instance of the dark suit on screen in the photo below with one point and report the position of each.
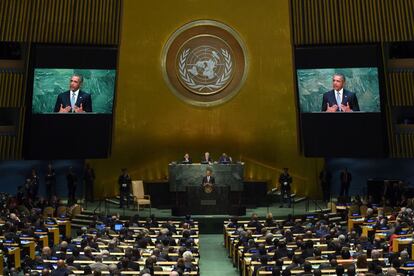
(83, 98)
(211, 180)
(347, 97)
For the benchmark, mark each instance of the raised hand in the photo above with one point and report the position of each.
(79, 109)
(64, 109)
(333, 108)
(346, 108)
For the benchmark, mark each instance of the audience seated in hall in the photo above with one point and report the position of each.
(371, 245)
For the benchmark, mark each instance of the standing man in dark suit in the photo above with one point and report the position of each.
(89, 181)
(208, 182)
(124, 182)
(72, 180)
(339, 99)
(208, 178)
(34, 183)
(345, 178)
(285, 180)
(325, 178)
(50, 181)
(74, 100)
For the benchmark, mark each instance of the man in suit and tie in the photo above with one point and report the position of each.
(339, 99)
(208, 179)
(345, 178)
(74, 100)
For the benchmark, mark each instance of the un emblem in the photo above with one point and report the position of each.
(204, 63)
(205, 70)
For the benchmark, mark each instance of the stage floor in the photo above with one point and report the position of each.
(211, 223)
(299, 208)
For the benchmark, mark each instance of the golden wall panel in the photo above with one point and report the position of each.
(11, 89)
(12, 95)
(400, 93)
(153, 127)
(60, 21)
(50, 21)
(352, 21)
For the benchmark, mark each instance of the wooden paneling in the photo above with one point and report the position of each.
(12, 95)
(60, 21)
(352, 21)
(365, 21)
(400, 94)
(92, 22)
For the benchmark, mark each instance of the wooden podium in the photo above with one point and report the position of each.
(221, 201)
(189, 197)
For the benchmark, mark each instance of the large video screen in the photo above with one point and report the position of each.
(93, 89)
(71, 94)
(340, 99)
(360, 89)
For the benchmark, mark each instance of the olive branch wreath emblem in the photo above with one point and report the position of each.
(220, 81)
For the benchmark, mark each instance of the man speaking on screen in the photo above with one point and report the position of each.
(339, 99)
(74, 100)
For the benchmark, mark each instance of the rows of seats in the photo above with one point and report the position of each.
(36, 245)
(373, 243)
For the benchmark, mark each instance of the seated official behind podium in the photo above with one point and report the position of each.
(225, 159)
(187, 159)
(206, 159)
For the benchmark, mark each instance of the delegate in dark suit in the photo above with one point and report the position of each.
(209, 179)
(208, 182)
(345, 178)
(83, 99)
(348, 98)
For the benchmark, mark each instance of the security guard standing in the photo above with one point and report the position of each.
(124, 182)
(285, 180)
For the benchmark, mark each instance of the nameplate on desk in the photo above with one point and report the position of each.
(208, 202)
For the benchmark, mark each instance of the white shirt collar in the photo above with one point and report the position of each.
(340, 92)
(76, 93)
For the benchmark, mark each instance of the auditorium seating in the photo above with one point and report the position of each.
(259, 246)
(126, 246)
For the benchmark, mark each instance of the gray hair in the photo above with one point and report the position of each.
(188, 256)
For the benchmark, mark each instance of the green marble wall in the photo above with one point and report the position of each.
(313, 83)
(183, 175)
(49, 83)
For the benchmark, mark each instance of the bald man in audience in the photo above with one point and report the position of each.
(61, 269)
(391, 271)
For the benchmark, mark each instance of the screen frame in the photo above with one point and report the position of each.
(73, 56)
(341, 56)
(36, 71)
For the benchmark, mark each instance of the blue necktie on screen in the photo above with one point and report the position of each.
(73, 101)
(338, 100)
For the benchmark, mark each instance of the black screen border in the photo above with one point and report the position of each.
(73, 56)
(342, 56)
